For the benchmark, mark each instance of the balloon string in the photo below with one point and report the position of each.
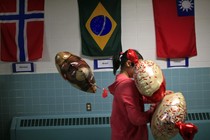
(98, 87)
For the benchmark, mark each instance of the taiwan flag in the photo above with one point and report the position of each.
(100, 26)
(175, 28)
(21, 30)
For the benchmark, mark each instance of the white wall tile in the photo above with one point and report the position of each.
(62, 32)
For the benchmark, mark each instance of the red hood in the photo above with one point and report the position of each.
(119, 78)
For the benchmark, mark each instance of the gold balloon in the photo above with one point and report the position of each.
(172, 109)
(76, 71)
(148, 77)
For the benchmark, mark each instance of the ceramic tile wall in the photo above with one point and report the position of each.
(46, 94)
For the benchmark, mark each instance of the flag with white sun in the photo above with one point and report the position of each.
(175, 28)
(185, 7)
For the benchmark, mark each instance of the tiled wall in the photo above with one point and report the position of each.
(45, 94)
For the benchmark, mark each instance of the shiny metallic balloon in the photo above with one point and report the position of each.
(172, 109)
(149, 80)
(148, 77)
(75, 70)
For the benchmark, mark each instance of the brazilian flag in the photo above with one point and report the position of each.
(100, 25)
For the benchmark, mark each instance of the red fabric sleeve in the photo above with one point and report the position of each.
(134, 106)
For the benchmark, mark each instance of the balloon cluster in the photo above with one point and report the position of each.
(169, 116)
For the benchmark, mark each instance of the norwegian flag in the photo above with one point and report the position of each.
(21, 30)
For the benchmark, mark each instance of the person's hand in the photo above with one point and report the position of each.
(153, 107)
(152, 110)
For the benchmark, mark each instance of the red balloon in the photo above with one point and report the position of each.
(132, 56)
(105, 93)
(187, 130)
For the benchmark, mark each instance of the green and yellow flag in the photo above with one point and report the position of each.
(100, 25)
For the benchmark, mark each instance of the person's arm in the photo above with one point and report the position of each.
(130, 98)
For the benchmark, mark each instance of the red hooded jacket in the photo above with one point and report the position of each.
(128, 118)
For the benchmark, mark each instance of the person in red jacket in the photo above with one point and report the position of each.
(128, 118)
